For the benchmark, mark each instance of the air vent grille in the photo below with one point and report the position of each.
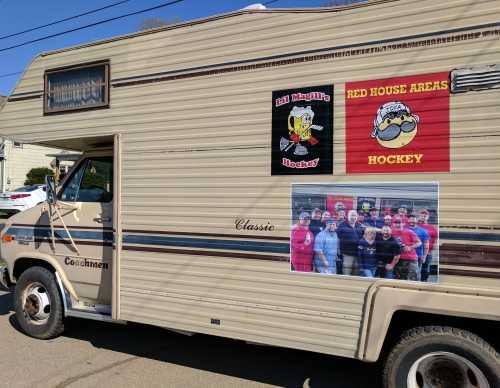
(475, 78)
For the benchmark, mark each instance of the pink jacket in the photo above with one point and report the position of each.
(302, 244)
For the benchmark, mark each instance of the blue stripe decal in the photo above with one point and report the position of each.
(60, 234)
(492, 237)
(250, 246)
(188, 242)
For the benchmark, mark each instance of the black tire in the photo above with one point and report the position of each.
(54, 324)
(419, 342)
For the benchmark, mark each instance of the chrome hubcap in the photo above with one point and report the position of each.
(36, 303)
(445, 370)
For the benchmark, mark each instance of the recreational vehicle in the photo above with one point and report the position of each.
(321, 179)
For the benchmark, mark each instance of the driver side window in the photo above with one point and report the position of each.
(92, 181)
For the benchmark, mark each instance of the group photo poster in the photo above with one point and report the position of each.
(374, 230)
(398, 125)
(302, 131)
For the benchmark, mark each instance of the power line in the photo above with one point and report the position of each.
(91, 25)
(270, 2)
(10, 74)
(63, 20)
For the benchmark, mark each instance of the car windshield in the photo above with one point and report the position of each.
(27, 188)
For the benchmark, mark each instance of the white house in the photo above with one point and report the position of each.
(18, 158)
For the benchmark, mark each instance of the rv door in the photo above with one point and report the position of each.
(85, 205)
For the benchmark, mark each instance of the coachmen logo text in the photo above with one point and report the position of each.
(399, 124)
(87, 263)
(302, 131)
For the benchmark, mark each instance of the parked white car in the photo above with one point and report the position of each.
(12, 202)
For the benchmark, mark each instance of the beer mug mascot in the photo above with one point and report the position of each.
(300, 126)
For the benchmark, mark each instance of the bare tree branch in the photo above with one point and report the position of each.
(149, 23)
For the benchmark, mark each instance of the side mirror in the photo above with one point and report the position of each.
(50, 185)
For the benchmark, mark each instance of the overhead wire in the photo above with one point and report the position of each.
(90, 25)
(10, 74)
(64, 20)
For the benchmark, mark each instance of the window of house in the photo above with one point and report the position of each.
(76, 88)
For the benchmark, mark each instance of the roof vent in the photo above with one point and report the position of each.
(256, 6)
(475, 78)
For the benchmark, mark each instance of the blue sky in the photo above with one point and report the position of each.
(19, 15)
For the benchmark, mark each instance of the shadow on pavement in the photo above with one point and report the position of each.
(269, 365)
(6, 306)
(262, 364)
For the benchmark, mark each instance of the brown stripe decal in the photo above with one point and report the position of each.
(77, 242)
(33, 97)
(239, 236)
(483, 256)
(463, 262)
(335, 52)
(205, 253)
(69, 227)
(469, 273)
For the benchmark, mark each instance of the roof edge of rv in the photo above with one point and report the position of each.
(361, 4)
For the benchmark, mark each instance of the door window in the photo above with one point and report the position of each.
(92, 181)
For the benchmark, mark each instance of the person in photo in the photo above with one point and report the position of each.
(302, 244)
(388, 220)
(340, 216)
(423, 235)
(367, 253)
(407, 266)
(423, 222)
(388, 253)
(374, 220)
(326, 249)
(349, 233)
(362, 219)
(324, 218)
(403, 214)
(316, 224)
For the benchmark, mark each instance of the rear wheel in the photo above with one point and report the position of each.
(38, 304)
(442, 357)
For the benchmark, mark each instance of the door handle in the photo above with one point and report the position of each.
(102, 219)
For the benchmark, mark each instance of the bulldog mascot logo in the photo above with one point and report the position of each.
(394, 125)
(300, 126)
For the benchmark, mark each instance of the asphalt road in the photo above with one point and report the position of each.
(94, 354)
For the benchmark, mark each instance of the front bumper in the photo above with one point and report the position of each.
(4, 277)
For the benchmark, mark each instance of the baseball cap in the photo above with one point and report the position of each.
(304, 215)
(389, 107)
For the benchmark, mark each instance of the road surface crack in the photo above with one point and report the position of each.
(93, 372)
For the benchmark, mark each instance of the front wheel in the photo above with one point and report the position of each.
(442, 357)
(38, 305)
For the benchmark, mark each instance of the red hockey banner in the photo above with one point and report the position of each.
(398, 124)
(339, 205)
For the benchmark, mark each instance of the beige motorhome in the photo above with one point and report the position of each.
(206, 147)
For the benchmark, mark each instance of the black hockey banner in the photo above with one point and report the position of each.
(302, 133)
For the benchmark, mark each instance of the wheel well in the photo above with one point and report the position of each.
(24, 263)
(403, 320)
